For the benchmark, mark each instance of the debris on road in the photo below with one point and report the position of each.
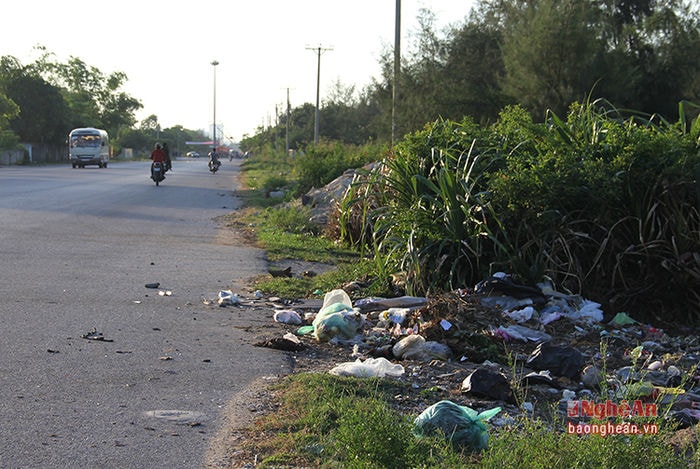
(289, 343)
(94, 335)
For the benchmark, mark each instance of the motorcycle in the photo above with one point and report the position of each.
(214, 165)
(157, 172)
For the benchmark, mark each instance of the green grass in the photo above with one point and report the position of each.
(361, 271)
(327, 421)
(286, 234)
(261, 175)
(534, 445)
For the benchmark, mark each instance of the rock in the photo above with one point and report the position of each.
(322, 201)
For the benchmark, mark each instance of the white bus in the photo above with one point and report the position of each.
(88, 146)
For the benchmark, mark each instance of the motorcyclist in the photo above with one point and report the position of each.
(214, 159)
(168, 161)
(158, 156)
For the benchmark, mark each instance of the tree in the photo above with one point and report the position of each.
(43, 112)
(347, 116)
(542, 54)
(551, 53)
(639, 54)
(8, 110)
(118, 107)
(473, 72)
(661, 39)
(95, 99)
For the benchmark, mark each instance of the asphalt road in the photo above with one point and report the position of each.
(77, 247)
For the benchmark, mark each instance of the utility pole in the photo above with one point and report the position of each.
(318, 50)
(286, 145)
(397, 66)
(214, 63)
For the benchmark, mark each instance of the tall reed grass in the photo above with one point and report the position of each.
(604, 202)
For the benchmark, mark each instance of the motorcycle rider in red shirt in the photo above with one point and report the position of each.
(158, 156)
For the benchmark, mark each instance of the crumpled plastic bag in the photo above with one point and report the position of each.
(409, 347)
(588, 310)
(395, 315)
(623, 319)
(370, 368)
(522, 315)
(343, 323)
(337, 318)
(287, 316)
(561, 361)
(336, 296)
(228, 298)
(516, 332)
(415, 347)
(463, 426)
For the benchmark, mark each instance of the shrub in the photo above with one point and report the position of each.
(322, 163)
(605, 205)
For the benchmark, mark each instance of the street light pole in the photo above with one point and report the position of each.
(317, 117)
(214, 63)
(397, 66)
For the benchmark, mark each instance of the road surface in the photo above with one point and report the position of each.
(77, 248)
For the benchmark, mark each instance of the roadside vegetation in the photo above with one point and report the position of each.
(603, 202)
(322, 420)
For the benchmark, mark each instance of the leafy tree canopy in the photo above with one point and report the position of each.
(54, 97)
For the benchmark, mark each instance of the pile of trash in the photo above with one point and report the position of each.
(501, 349)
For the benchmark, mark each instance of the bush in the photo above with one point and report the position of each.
(604, 205)
(320, 164)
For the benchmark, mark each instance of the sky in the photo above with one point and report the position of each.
(264, 49)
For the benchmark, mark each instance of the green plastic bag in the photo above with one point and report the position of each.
(344, 323)
(623, 319)
(463, 426)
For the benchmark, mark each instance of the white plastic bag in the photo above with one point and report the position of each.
(228, 298)
(370, 368)
(336, 296)
(287, 316)
(395, 315)
(522, 315)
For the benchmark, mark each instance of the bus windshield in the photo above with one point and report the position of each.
(85, 141)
